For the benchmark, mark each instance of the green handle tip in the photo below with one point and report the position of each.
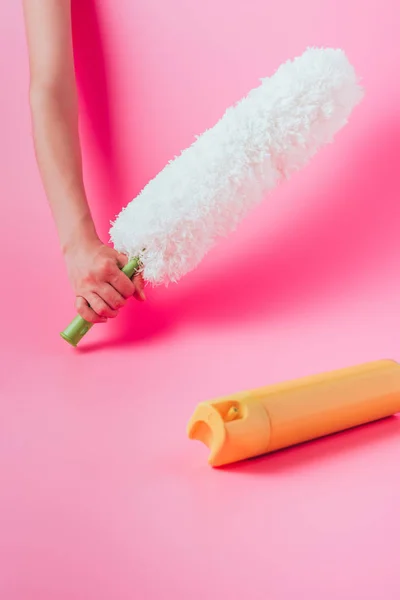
(76, 330)
(68, 339)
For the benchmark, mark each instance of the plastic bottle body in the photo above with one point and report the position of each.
(260, 421)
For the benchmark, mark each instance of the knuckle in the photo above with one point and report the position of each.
(121, 281)
(87, 279)
(106, 266)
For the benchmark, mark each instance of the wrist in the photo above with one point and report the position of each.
(82, 236)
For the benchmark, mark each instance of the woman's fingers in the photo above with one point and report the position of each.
(111, 296)
(122, 259)
(86, 312)
(124, 286)
(121, 283)
(139, 287)
(100, 307)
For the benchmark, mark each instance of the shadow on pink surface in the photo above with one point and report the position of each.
(321, 450)
(94, 91)
(346, 231)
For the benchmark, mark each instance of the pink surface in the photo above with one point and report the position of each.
(101, 494)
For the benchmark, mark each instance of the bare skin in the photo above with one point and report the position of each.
(100, 287)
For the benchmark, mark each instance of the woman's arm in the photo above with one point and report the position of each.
(99, 285)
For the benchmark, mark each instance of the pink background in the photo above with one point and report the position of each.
(101, 494)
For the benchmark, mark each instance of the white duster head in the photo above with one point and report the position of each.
(206, 191)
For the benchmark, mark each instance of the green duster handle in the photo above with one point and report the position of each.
(79, 327)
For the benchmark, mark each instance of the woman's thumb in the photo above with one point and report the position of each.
(122, 260)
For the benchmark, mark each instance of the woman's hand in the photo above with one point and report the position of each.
(101, 288)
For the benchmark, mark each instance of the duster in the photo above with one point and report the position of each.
(206, 191)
